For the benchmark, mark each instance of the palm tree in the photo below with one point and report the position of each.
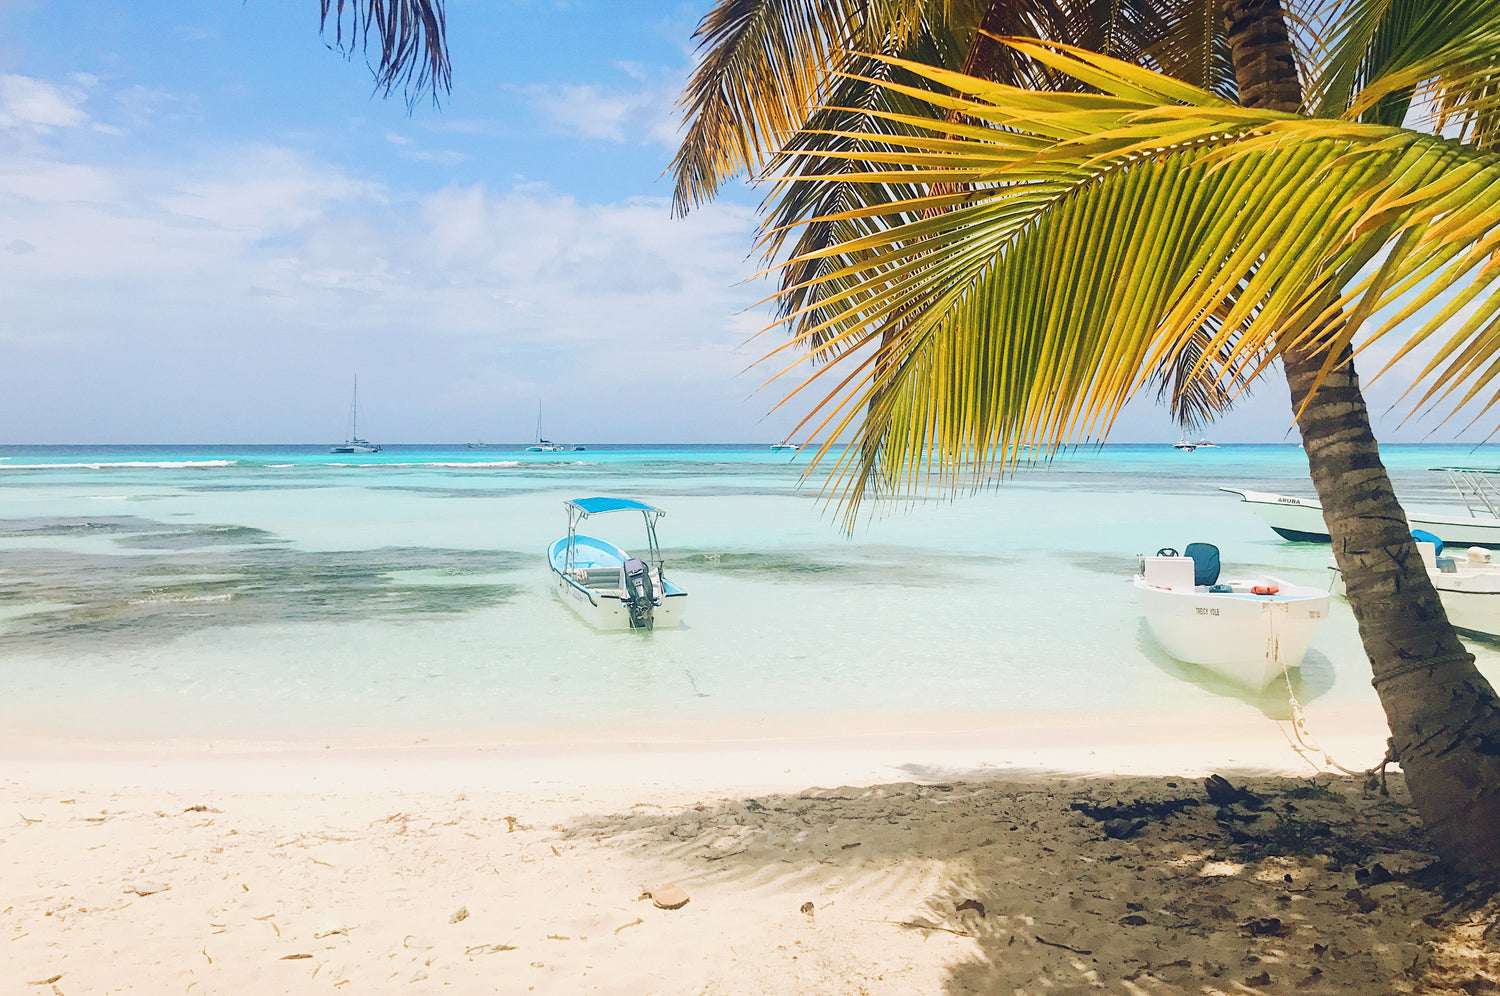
(1009, 267)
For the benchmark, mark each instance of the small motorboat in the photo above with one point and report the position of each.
(1185, 446)
(1467, 583)
(605, 585)
(1249, 631)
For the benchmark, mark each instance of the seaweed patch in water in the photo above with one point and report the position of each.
(143, 599)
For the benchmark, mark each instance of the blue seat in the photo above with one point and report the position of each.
(1205, 562)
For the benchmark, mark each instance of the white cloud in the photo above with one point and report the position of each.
(438, 157)
(34, 105)
(187, 292)
(642, 116)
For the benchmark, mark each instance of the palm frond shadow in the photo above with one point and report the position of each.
(1013, 881)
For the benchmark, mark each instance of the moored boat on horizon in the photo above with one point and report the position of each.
(1250, 631)
(354, 444)
(604, 585)
(546, 445)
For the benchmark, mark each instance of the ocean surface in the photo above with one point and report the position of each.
(285, 594)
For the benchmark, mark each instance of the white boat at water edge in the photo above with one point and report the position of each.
(1301, 519)
(785, 446)
(354, 444)
(1249, 631)
(606, 586)
(1467, 583)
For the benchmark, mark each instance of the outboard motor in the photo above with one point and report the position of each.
(640, 597)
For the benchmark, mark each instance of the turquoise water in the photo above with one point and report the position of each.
(282, 593)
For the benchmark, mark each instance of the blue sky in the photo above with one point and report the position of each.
(208, 226)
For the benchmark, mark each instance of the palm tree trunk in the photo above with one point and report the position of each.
(1444, 716)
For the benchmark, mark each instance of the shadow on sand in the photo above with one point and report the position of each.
(1020, 885)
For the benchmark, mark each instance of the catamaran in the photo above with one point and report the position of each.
(606, 586)
(354, 444)
(546, 445)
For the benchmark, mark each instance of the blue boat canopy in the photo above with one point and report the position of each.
(593, 506)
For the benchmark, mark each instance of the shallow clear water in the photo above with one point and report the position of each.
(284, 593)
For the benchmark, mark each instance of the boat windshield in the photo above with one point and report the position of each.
(1476, 487)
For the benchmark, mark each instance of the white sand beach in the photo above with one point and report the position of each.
(975, 864)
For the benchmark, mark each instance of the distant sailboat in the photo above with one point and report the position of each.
(354, 444)
(546, 445)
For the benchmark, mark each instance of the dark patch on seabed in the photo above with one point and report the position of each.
(881, 565)
(1101, 563)
(98, 526)
(195, 578)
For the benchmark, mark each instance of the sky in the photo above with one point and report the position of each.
(210, 225)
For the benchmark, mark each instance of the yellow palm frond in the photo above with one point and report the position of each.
(1148, 232)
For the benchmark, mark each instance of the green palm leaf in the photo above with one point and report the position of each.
(1389, 56)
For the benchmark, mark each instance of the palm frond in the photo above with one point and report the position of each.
(766, 65)
(410, 37)
(1441, 58)
(1149, 232)
(763, 63)
(792, 207)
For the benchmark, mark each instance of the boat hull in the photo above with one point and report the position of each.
(1249, 639)
(610, 612)
(1301, 520)
(603, 608)
(1471, 598)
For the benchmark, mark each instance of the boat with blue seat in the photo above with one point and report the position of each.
(1249, 631)
(1467, 582)
(606, 586)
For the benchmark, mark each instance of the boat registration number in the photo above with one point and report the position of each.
(1207, 612)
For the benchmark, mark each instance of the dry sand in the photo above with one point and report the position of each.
(961, 867)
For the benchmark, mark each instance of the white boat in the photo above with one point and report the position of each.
(1467, 583)
(1301, 519)
(784, 446)
(354, 444)
(546, 445)
(606, 586)
(1249, 631)
(1185, 446)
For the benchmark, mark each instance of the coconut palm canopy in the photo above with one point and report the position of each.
(1053, 253)
(768, 65)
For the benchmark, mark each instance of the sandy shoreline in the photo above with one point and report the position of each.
(877, 865)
